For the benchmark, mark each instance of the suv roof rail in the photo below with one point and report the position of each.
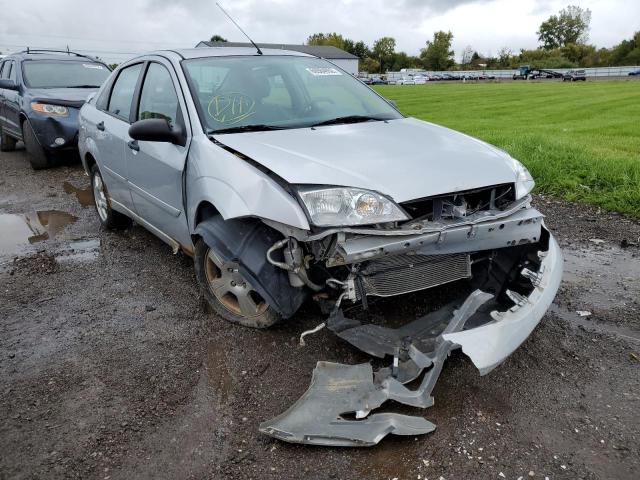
(67, 51)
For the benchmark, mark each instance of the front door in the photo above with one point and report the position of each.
(112, 134)
(155, 168)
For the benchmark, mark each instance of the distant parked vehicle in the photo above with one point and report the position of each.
(420, 79)
(635, 73)
(574, 76)
(436, 77)
(378, 81)
(405, 81)
(41, 92)
(448, 76)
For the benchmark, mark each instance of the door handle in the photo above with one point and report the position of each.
(133, 145)
(100, 126)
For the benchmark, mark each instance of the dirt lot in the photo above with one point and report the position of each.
(111, 366)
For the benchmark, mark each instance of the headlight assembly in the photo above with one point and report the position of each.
(342, 206)
(47, 109)
(524, 180)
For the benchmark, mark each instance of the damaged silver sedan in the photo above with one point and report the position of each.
(286, 178)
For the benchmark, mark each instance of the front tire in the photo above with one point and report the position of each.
(109, 218)
(38, 157)
(228, 293)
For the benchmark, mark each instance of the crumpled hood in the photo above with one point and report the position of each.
(405, 158)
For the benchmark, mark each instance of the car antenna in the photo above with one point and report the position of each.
(239, 28)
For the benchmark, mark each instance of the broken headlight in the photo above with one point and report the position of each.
(342, 206)
(524, 180)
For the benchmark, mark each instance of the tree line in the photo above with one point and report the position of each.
(563, 44)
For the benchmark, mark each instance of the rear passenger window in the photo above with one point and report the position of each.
(122, 93)
(158, 98)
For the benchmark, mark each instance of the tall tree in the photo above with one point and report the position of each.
(383, 50)
(361, 50)
(334, 39)
(218, 38)
(571, 25)
(438, 54)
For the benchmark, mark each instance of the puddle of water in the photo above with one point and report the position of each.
(84, 195)
(601, 275)
(593, 326)
(80, 251)
(218, 374)
(18, 231)
(605, 279)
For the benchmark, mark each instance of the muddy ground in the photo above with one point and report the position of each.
(111, 366)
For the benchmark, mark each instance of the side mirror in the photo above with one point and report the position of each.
(8, 84)
(156, 130)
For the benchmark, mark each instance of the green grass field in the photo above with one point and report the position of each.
(581, 141)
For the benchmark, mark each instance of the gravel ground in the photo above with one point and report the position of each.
(112, 367)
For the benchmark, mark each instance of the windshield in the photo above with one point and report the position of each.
(64, 73)
(268, 92)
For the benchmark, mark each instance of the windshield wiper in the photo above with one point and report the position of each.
(245, 128)
(348, 119)
(83, 86)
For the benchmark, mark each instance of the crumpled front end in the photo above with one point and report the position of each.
(506, 268)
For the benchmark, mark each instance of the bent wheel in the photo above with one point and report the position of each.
(230, 295)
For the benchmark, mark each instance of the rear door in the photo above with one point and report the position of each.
(112, 133)
(155, 168)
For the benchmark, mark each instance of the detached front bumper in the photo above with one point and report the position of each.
(419, 349)
(489, 345)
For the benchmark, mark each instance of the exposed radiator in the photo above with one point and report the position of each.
(400, 274)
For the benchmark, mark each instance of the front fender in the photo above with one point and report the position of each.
(236, 188)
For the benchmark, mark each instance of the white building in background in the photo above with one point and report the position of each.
(344, 60)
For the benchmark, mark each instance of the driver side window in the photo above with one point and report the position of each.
(158, 98)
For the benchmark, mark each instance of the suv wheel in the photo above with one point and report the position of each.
(7, 143)
(228, 293)
(38, 157)
(109, 218)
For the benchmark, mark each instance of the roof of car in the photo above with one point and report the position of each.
(51, 56)
(188, 53)
(324, 51)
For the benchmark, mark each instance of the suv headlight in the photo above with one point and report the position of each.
(524, 180)
(47, 109)
(342, 206)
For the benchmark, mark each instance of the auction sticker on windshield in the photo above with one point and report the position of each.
(323, 71)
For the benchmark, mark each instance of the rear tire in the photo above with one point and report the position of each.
(38, 157)
(228, 293)
(109, 218)
(7, 143)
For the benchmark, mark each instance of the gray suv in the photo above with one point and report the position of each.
(286, 178)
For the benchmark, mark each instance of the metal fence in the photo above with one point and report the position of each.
(591, 72)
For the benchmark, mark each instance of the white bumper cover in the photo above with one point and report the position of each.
(489, 345)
